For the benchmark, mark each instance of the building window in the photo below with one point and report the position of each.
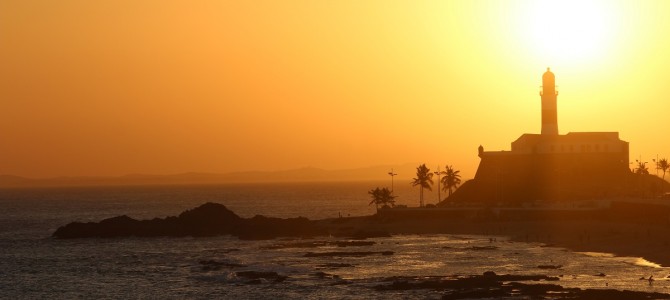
(597, 148)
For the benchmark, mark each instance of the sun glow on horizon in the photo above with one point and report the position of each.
(166, 87)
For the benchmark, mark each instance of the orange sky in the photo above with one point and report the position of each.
(139, 86)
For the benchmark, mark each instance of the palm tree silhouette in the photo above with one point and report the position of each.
(641, 168)
(424, 179)
(663, 164)
(382, 197)
(451, 180)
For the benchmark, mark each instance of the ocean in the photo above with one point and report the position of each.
(34, 265)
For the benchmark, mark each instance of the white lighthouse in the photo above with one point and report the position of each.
(549, 111)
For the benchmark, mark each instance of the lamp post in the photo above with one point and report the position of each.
(438, 184)
(392, 174)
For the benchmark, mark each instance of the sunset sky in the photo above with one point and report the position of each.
(160, 87)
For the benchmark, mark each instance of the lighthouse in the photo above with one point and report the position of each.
(549, 111)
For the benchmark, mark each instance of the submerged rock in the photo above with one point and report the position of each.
(256, 276)
(549, 267)
(488, 280)
(483, 248)
(336, 265)
(354, 243)
(316, 244)
(493, 286)
(213, 265)
(344, 254)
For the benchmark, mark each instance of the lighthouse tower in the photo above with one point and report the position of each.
(548, 95)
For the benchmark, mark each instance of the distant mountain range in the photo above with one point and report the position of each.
(309, 174)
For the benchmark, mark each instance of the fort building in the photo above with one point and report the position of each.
(552, 166)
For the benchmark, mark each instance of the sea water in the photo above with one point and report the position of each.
(34, 265)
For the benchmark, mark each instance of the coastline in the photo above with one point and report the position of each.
(640, 237)
(638, 240)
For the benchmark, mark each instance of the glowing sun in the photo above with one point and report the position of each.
(564, 32)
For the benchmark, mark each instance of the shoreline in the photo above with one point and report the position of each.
(589, 231)
(646, 241)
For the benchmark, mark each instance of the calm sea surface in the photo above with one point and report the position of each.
(33, 265)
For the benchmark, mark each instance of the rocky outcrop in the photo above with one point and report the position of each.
(260, 227)
(494, 286)
(256, 277)
(209, 219)
(347, 254)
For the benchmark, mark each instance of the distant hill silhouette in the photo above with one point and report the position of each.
(308, 174)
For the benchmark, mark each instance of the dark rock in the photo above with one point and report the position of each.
(313, 244)
(209, 219)
(354, 243)
(324, 275)
(212, 265)
(206, 220)
(336, 265)
(596, 294)
(316, 244)
(257, 275)
(535, 289)
(549, 266)
(483, 248)
(345, 254)
(488, 280)
(261, 227)
(493, 293)
(493, 286)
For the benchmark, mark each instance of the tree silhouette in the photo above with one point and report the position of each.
(451, 180)
(641, 168)
(663, 165)
(382, 197)
(424, 179)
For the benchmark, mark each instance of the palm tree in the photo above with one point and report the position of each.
(641, 168)
(382, 197)
(424, 179)
(663, 164)
(387, 198)
(376, 198)
(451, 180)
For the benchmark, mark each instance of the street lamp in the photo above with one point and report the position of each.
(438, 173)
(392, 174)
